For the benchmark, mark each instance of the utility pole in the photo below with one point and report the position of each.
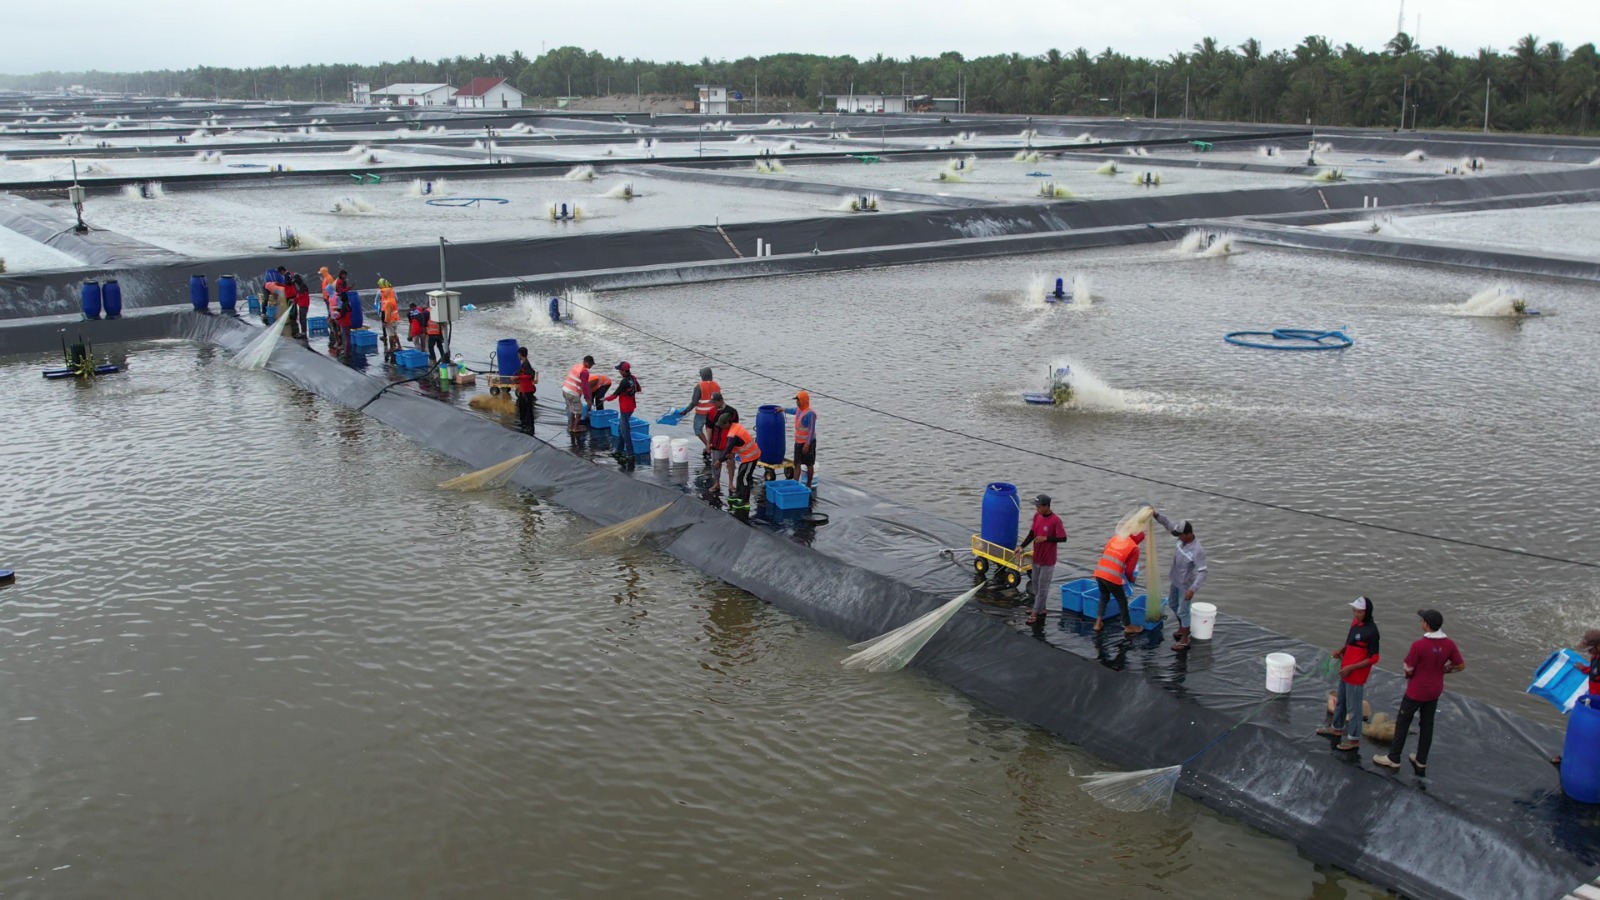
(1186, 97)
(1486, 83)
(1405, 85)
(758, 95)
(1157, 113)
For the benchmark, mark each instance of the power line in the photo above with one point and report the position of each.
(1096, 467)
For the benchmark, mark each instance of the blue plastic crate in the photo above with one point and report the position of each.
(1071, 599)
(602, 418)
(641, 444)
(365, 342)
(410, 359)
(317, 325)
(1136, 611)
(788, 494)
(253, 304)
(639, 425)
(1558, 681)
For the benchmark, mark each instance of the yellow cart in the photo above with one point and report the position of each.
(1013, 564)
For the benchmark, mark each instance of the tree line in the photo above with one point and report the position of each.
(1532, 86)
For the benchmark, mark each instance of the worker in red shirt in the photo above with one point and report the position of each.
(1430, 659)
(627, 390)
(1048, 531)
(527, 385)
(1356, 659)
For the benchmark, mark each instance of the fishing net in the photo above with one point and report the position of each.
(1135, 522)
(256, 353)
(494, 476)
(623, 531)
(499, 403)
(1139, 791)
(891, 651)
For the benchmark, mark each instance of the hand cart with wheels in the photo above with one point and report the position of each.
(1013, 564)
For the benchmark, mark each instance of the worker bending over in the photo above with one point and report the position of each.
(742, 447)
(598, 385)
(1114, 574)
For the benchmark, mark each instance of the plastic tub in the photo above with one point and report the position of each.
(1558, 680)
(1202, 619)
(679, 450)
(661, 447)
(788, 494)
(603, 418)
(411, 359)
(1071, 598)
(1136, 614)
(641, 444)
(1280, 670)
(1580, 754)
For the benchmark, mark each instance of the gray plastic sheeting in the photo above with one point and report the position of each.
(1488, 822)
(55, 227)
(1471, 256)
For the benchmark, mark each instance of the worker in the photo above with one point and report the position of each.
(575, 392)
(1114, 575)
(716, 431)
(418, 317)
(302, 307)
(1430, 659)
(1356, 659)
(391, 316)
(327, 289)
(805, 436)
(700, 402)
(435, 332)
(527, 385)
(627, 390)
(742, 447)
(598, 385)
(343, 349)
(1187, 575)
(1049, 532)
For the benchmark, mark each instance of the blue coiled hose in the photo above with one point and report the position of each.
(1292, 339)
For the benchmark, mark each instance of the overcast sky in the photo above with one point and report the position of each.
(118, 35)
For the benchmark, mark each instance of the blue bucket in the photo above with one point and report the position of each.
(1558, 681)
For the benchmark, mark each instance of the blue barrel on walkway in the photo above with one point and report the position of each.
(1580, 753)
(355, 309)
(770, 434)
(555, 309)
(111, 299)
(90, 299)
(228, 293)
(1001, 512)
(199, 293)
(505, 357)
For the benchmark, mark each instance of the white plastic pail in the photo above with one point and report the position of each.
(1280, 672)
(1202, 618)
(660, 446)
(680, 450)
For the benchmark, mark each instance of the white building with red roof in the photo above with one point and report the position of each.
(488, 93)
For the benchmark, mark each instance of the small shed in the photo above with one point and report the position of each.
(713, 99)
(489, 93)
(414, 94)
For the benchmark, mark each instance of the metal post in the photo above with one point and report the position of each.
(1186, 97)
(1405, 85)
(1486, 83)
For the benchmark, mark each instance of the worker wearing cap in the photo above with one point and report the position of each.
(716, 429)
(1048, 531)
(575, 392)
(627, 389)
(742, 447)
(527, 385)
(1114, 574)
(805, 436)
(1187, 575)
(1356, 659)
(1430, 659)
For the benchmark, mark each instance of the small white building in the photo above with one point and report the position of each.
(408, 94)
(488, 93)
(713, 99)
(361, 92)
(871, 103)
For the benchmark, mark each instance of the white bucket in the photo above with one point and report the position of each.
(660, 446)
(680, 450)
(1202, 618)
(1280, 672)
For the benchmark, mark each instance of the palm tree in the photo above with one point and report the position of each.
(1527, 63)
(1400, 44)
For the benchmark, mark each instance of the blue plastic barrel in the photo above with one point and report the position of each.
(505, 357)
(227, 293)
(771, 434)
(1580, 753)
(90, 297)
(1001, 511)
(111, 299)
(199, 293)
(355, 309)
(555, 309)
(1061, 287)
